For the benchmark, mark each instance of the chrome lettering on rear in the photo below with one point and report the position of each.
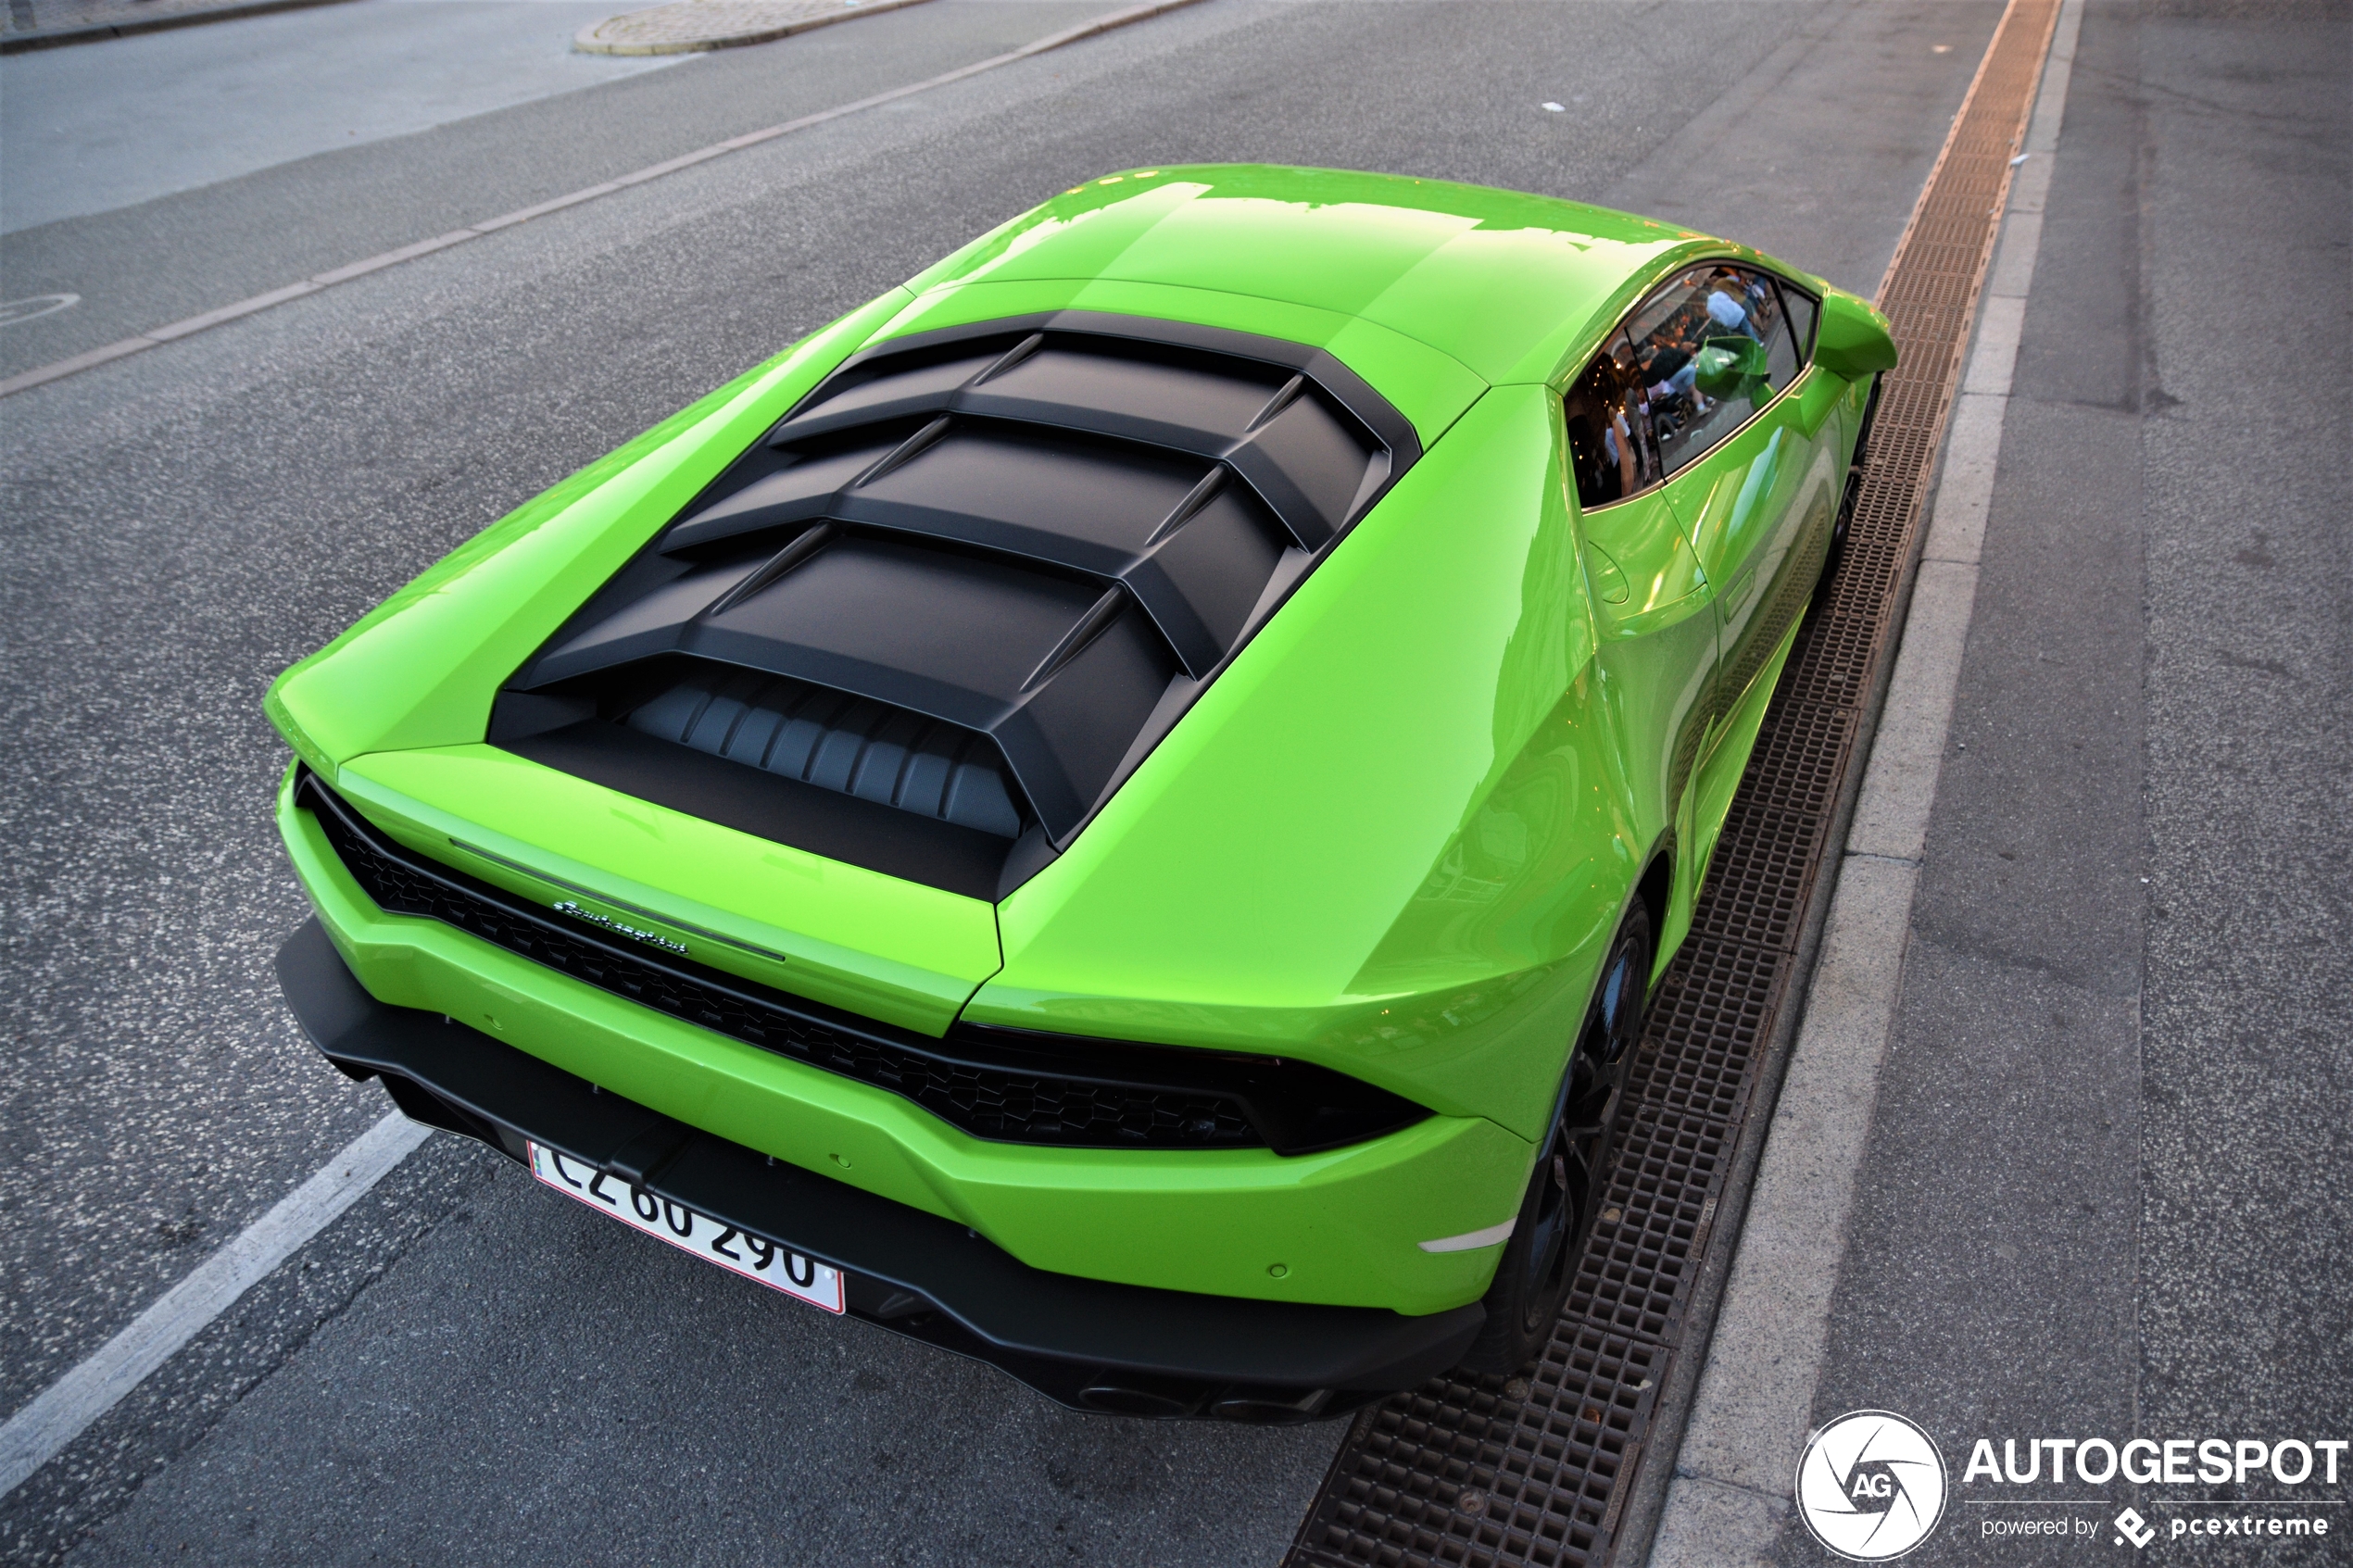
(651, 939)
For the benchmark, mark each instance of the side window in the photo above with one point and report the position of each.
(1610, 443)
(1783, 358)
(1802, 309)
(1711, 348)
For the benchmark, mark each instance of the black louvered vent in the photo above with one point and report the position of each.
(864, 750)
(966, 583)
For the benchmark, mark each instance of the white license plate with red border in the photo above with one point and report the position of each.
(755, 1257)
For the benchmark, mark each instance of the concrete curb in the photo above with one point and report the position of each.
(41, 375)
(92, 32)
(690, 20)
(1735, 1470)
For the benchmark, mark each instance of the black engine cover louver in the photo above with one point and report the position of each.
(861, 748)
(1013, 552)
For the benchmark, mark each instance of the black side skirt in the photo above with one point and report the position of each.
(1088, 1344)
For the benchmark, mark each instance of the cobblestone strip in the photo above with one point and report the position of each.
(690, 25)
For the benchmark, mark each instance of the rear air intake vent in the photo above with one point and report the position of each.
(967, 583)
(863, 748)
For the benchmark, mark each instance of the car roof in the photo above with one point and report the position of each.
(1502, 281)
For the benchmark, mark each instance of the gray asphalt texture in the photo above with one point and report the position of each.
(464, 1369)
(226, 99)
(2104, 1193)
(174, 257)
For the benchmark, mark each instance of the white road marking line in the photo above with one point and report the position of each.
(33, 309)
(42, 374)
(54, 1417)
(62, 1412)
(1737, 1466)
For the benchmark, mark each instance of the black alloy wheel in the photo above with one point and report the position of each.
(1572, 1172)
(1860, 461)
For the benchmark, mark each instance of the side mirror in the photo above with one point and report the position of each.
(1852, 340)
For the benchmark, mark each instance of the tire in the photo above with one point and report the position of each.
(1572, 1170)
(1855, 467)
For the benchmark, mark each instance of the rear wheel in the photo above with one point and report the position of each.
(1572, 1170)
(1855, 467)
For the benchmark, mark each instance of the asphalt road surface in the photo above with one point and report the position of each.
(215, 101)
(464, 1369)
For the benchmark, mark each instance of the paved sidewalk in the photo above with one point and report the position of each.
(691, 26)
(2098, 1200)
(38, 24)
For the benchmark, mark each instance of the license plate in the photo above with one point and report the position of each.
(753, 1257)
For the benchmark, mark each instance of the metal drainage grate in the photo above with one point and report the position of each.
(1537, 1469)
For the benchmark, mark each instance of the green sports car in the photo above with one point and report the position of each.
(1117, 809)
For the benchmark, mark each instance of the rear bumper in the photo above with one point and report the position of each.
(1089, 1344)
(1335, 1228)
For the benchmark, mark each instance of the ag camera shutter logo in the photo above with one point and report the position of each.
(1871, 1485)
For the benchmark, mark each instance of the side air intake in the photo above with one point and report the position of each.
(967, 585)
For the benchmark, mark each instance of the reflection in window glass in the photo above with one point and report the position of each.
(1800, 308)
(1610, 443)
(1710, 348)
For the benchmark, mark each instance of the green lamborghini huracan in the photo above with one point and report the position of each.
(1117, 809)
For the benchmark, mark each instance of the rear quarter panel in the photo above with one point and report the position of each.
(1394, 836)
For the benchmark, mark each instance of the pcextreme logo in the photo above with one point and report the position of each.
(1871, 1485)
